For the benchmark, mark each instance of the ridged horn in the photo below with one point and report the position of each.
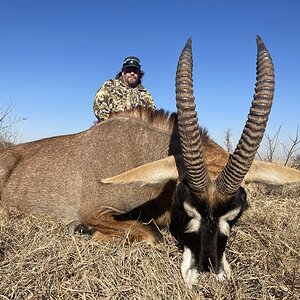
(188, 123)
(240, 161)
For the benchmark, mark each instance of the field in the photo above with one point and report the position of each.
(41, 259)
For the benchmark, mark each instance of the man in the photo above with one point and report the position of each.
(124, 92)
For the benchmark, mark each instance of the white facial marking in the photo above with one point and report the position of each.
(188, 272)
(223, 221)
(194, 224)
(225, 270)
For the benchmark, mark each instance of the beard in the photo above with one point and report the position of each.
(132, 82)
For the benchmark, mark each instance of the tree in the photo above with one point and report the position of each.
(8, 136)
(228, 140)
(291, 151)
(272, 144)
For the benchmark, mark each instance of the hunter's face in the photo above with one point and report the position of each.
(131, 76)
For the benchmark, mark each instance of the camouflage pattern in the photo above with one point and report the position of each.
(115, 95)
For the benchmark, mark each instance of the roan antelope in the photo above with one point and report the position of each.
(142, 165)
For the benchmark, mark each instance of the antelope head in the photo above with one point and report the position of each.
(211, 203)
(209, 198)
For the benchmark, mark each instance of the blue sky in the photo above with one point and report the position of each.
(56, 54)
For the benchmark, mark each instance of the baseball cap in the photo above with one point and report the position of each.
(131, 62)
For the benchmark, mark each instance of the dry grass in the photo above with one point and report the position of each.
(40, 259)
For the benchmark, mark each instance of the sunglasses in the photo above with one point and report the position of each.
(130, 70)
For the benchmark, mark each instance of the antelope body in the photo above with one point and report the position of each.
(141, 165)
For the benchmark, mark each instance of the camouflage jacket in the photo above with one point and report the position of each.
(114, 95)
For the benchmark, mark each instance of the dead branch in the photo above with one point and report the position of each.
(289, 152)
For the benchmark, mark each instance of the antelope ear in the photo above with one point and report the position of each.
(271, 173)
(158, 171)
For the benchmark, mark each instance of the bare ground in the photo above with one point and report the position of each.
(40, 259)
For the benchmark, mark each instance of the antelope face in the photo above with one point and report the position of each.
(203, 232)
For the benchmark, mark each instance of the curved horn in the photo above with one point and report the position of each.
(188, 123)
(240, 161)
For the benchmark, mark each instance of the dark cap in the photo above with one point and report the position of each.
(131, 62)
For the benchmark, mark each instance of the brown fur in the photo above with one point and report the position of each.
(60, 175)
(159, 119)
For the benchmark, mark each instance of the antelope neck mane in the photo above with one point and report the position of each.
(159, 119)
